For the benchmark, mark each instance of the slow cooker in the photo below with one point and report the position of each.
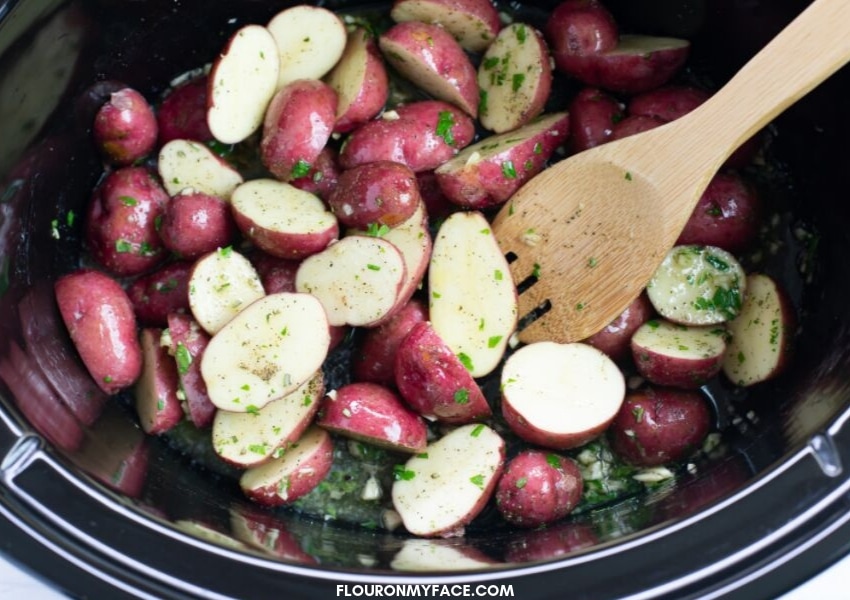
(101, 510)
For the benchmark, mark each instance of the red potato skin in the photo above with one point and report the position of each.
(677, 373)
(297, 126)
(276, 274)
(182, 114)
(727, 215)
(121, 222)
(374, 358)
(412, 139)
(286, 245)
(429, 377)
(372, 413)
(437, 205)
(380, 192)
(615, 339)
(323, 177)
(577, 30)
(431, 48)
(125, 128)
(184, 330)
(538, 488)
(157, 294)
(100, 320)
(167, 411)
(195, 223)
(659, 425)
(593, 116)
(634, 124)
(483, 10)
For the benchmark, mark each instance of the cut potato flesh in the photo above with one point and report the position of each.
(760, 334)
(266, 352)
(441, 490)
(242, 83)
(562, 389)
(466, 266)
(221, 285)
(184, 164)
(698, 285)
(681, 342)
(247, 439)
(473, 24)
(309, 40)
(357, 279)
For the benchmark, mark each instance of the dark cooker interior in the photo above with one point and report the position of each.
(52, 56)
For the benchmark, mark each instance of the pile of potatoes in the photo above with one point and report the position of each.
(217, 294)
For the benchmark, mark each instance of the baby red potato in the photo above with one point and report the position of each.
(538, 488)
(578, 30)
(323, 175)
(360, 81)
(659, 425)
(615, 338)
(374, 414)
(297, 126)
(157, 294)
(125, 128)
(374, 194)
(473, 23)
(182, 114)
(413, 240)
(121, 221)
(194, 223)
(634, 124)
(515, 78)
(422, 135)
(434, 381)
(432, 59)
(593, 115)
(186, 344)
(100, 320)
(284, 479)
(157, 405)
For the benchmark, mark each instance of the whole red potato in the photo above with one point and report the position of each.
(195, 223)
(125, 127)
(182, 114)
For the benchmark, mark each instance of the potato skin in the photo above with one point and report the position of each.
(593, 116)
(422, 135)
(121, 221)
(578, 30)
(125, 128)
(158, 293)
(634, 124)
(195, 223)
(183, 113)
(474, 23)
(298, 123)
(186, 332)
(156, 401)
(100, 320)
(658, 425)
(381, 192)
(323, 175)
(667, 103)
(615, 339)
(538, 488)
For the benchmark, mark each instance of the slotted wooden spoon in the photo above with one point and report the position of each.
(589, 232)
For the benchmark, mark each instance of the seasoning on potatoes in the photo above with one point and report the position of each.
(125, 128)
(194, 223)
(474, 23)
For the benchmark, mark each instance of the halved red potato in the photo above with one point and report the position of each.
(121, 220)
(577, 30)
(222, 284)
(100, 320)
(593, 115)
(431, 58)
(155, 393)
(245, 439)
(360, 81)
(538, 488)
(182, 114)
(658, 425)
(727, 215)
(357, 279)
(615, 339)
(282, 220)
(186, 164)
(186, 342)
(435, 381)
(473, 23)
(310, 40)
(762, 333)
(242, 82)
(514, 77)
(265, 352)
(560, 395)
(125, 128)
(487, 173)
(429, 555)
(675, 355)
(374, 414)
(323, 176)
(698, 285)
(375, 194)
(422, 135)
(374, 357)
(438, 492)
(284, 479)
(297, 126)
(195, 223)
(467, 263)
(156, 294)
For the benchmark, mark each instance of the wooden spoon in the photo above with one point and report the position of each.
(588, 233)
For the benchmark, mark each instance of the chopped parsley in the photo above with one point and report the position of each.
(183, 358)
(400, 473)
(476, 431)
(301, 169)
(477, 480)
(465, 360)
(508, 169)
(461, 396)
(445, 122)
